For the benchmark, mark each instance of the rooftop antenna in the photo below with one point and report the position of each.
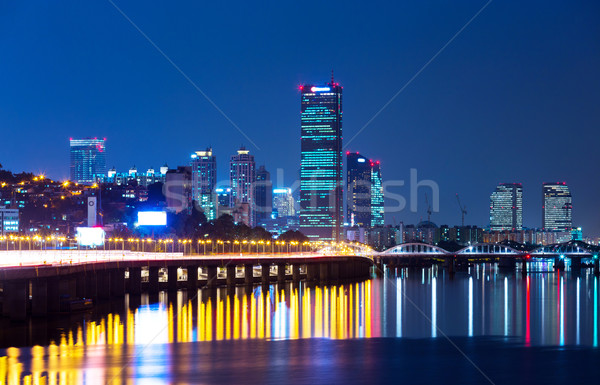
(463, 210)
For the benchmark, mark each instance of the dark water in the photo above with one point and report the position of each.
(417, 326)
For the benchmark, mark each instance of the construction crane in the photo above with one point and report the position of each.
(428, 208)
(463, 209)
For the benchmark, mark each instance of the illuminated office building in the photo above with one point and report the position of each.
(263, 198)
(556, 211)
(506, 207)
(377, 209)
(9, 221)
(88, 160)
(283, 202)
(321, 170)
(242, 176)
(204, 179)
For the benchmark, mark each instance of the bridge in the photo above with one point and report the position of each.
(38, 282)
(415, 254)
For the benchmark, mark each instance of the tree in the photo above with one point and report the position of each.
(293, 235)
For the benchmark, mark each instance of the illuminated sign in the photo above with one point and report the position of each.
(361, 160)
(152, 218)
(281, 191)
(90, 236)
(320, 89)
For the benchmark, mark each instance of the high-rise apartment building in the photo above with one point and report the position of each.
(88, 160)
(556, 211)
(506, 207)
(204, 179)
(242, 176)
(377, 203)
(321, 191)
(364, 191)
(263, 197)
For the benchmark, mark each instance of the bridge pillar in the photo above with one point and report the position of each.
(135, 280)
(103, 284)
(559, 264)
(211, 276)
(334, 271)
(324, 272)
(596, 266)
(172, 278)
(312, 272)
(248, 274)
(15, 299)
(117, 282)
(524, 267)
(296, 272)
(153, 284)
(575, 263)
(91, 287)
(508, 263)
(281, 272)
(39, 297)
(265, 273)
(192, 277)
(449, 264)
(231, 269)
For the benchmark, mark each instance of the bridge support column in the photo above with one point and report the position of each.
(15, 299)
(211, 276)
(281, 272)
(231, 269)
(575, 263)
(265, 273)
(312, 272)
(324, 272)
(248, 274)
(39, 297)
(559, 264)
(135, 280)
(53, 292)
(192, 278)
(524, 267)
(334, 271)
(596, 266)
(296, 273)
(172, 278)
(153, 286)
(508, 263)
(117, 282)
(449, 264)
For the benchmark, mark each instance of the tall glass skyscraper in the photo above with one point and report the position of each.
(556, 211)
(242, 175)
(506, 207)
(88, 160)
(263, 196)
(377, 207)
(204, 179)
(321, 191)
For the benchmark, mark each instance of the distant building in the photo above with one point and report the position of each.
(263, 198)
(321, 188)
(242, 176)
(377, 206)
(88, 160)
(178, 189)
(144, 179)
(204, 179)
(9, 221)
(283, 203)
(556, 211)
(506, 207)
(364, 191)
(224, 198)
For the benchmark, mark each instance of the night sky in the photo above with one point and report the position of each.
(514, 98)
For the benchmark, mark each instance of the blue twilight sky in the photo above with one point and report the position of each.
(514, 98)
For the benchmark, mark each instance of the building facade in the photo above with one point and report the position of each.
(506, 207)
(557, 207)
(88, 160)
(204, 180)
(263, 198)
(242, 175)
(9, 221)
(321, 190)
(358, 190)
(283, 203)
(377, 203)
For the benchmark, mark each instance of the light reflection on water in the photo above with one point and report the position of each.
(540, 309)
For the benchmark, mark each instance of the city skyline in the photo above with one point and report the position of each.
(455, 109)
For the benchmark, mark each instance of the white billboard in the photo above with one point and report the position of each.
(90, 236)
(152, 218)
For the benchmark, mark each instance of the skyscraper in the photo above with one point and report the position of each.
(506, 207)
(263, 197)
(358, 190)
(204, 179)
(321, 161)
(88, 160)
(377, 206)
(283, 202)
(556, 211)
(242, 177)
